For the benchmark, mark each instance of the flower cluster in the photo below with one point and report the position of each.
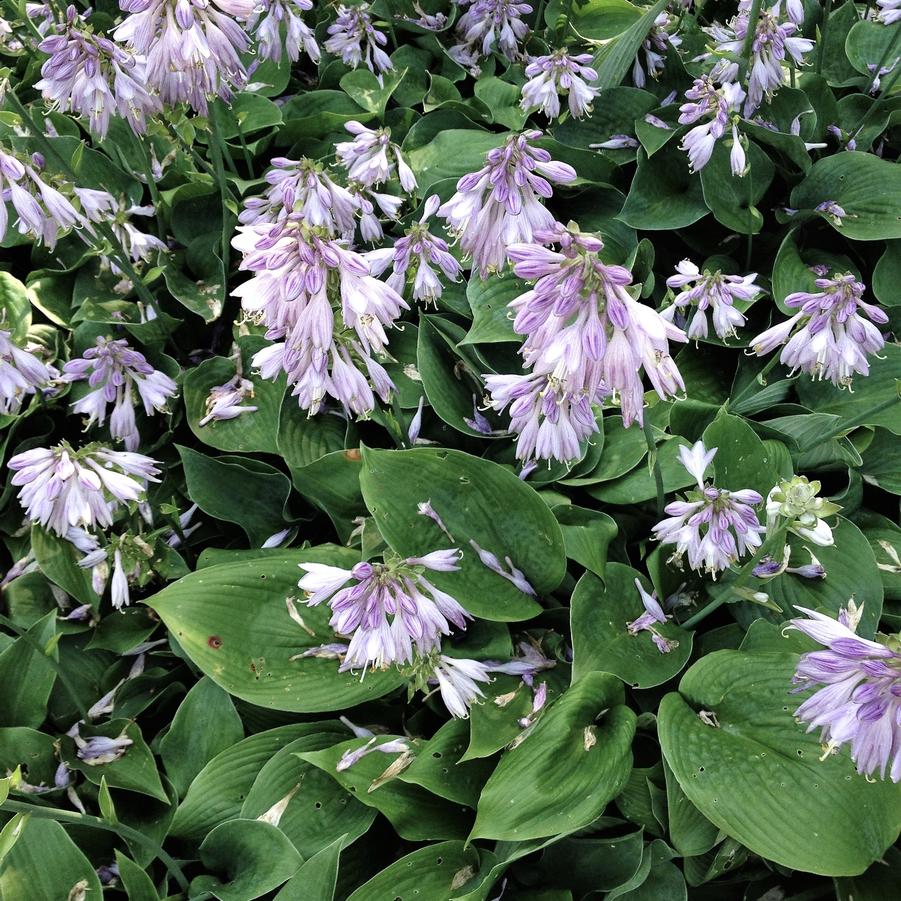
(116, 373)
(715, 105)
(827, 337)
(265, 24)
(560, 75)
(489, 26)
(371, 158)
(499, 204)
(354, 39)
(712, 527)
(585, 338)
(22, 374)
(654, 48)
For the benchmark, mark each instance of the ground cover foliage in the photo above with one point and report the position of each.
(451, 450)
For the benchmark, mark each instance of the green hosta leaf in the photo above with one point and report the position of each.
(566, 771)
(450, 154)
(758, 763)
(256, 857)
(254, 431)
(598, 20)
(882, 462)
(595, 864)
(331, 482)
(137, 884)
(689, 830)
(371, 93)
(640, 484)
(868, 42)
(885, 540)
(731, 199)
(442, 870)
(612, 62)
(488, 300)
(887, 275)
(863, 185)
(58, 561)
(239, 490)
(587, 535)
(23, 664)
(45, 863)
(466, 492)
(15, 307)
(205, 724)
(320, 811)
(415, 814)
(602, 643)
(664, 194)
(219, 791)
(231, 620)
(741, 460)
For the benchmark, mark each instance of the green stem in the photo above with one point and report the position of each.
(117, 251)
(749, 244)
(245, 150)
(750, 34)
(155, 198)
(821, 44)
(28, 638)
(216, 148)
(83, 819)
(658, 472)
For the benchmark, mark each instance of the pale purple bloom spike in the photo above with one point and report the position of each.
(827, 337)
(889, 11)
(713, 105)
(489, 26)
(121, 376)
(21, 374)
(458, 680)
(713, 527)
(354, 39)
(858, 697)
(391, 612)
(265, 24)
(193, 48)
(371, 158)
(60, 487)
(560, 75)
(654, 47)
(712, 292)
(499, 204)
(92, 76)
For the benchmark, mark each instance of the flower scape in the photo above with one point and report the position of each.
(452, 450)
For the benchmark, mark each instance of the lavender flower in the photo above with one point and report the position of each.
(585, 338)
(425, 508)
(92, 76)
(265, 24)
(353, 29)
(115, 372)
(559, 74)
(352, 756)
(297, 277)
(831, 209)
(708, 101)
(391, 612)
(516, 576)
(457, 681)
(654, 48)
(653, 614)
(99, 750)
(773, 40)
(21, 374)
(617, 142)
(371, 157)
(794, 502)
(193, 47)
(416, 257)
(889, 11)
(62, 487)
(858, 697)
(489, 26)
(227, 401)
(714, 527)
(710, 291)
(827, 337)
(498, 205)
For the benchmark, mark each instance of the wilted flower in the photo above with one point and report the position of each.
(92, 76)
(417, 258)
(795, 502)
(653, 615)
(371, 157)
(708, 101)
(192, 47)
(21, 374)
(831, 209)
(827, 337)
(489, 26)
(498, 205)
(116, 372)
(99, 750)
(265, 24)
(586, 337)
(352, 756)
(392, 612)
(559, 75)
(654, 49)
(858, 701)
(714, 527)
(710, 291)
(62, 487)
(227, 401)
(516, 577)
(351, 30)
